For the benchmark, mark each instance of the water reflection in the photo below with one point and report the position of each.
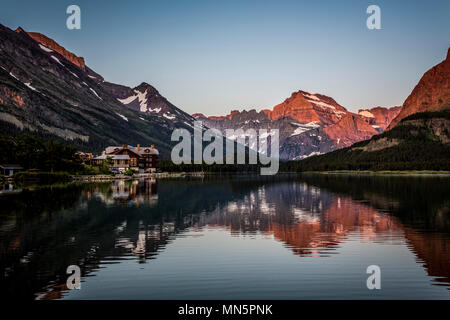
(43, 231)
(129, 192)
(305, 219)
(9, 189)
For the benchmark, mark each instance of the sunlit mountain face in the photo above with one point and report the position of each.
(304, 237)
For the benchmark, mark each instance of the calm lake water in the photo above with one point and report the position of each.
(243, 237)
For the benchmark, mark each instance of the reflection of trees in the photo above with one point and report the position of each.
(23, 218)
(433, 250)
(312, 221)
(50, 229)
(85, 224)
(418, 201)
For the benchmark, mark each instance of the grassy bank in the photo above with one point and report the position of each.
(42, 177)
(382, 172)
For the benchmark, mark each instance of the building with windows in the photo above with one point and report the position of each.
(9, 169)
(139, 159)
(118, 162)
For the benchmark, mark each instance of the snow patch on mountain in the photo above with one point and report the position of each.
(28, 84)
(142, 98)
(12, 75)
(316, 101)
(93, 91)
(323, 104)
(304, 127)
(169, 116)
(128, 100)
(57, 60)
(156, 110)
(366, 113)
(311, 97)
(122, 116)
(45, 48)
(314, 153)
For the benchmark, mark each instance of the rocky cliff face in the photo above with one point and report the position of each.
(309, 124)
(50, 44)
(306, 107)
(350, 129)
(418, 142)
(379, 117)
(432, 93)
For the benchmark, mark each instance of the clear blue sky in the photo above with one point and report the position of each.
(214, 56)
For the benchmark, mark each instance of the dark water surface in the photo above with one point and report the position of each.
(246, 237)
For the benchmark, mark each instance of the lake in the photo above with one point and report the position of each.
(229, 237)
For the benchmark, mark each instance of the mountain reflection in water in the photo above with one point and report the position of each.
(42, 231)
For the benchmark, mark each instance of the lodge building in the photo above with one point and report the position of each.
(139, 159)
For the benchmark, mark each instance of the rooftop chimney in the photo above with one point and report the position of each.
(152, 146)
(138, 147)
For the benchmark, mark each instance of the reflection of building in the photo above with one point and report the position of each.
(9, 169)
(138, 192)
(307, 220)
(149, 240)
(9, 188)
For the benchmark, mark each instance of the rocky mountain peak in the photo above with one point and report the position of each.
(432, 93)
(306, 107)
(145, 86)
(53, 45)
(198, 115)
(19, 30)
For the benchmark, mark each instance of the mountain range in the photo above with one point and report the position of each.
(309, 124)
(48, 91)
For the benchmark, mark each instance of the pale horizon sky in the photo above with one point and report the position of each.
(212, 57)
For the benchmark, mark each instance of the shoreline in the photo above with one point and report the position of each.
(383, 172)
(168, 175)
(159, 175)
